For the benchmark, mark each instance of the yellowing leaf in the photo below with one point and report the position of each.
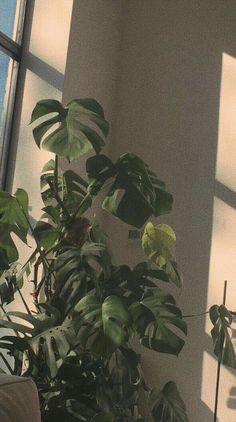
(158, 243)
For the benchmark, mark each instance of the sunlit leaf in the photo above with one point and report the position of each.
(158, 243)
(71, 132)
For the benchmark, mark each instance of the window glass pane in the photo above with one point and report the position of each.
(4, 66)
(8, 71)
(11, 18)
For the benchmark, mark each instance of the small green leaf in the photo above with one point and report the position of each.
(174, 274)
(158, 243)
(13, 212)
(22, 198)
(8, 286)
(46, 234)
(222, 319)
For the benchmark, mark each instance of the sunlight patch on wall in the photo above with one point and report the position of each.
(49, 38)
(222, 261)
(223, 246)
(226, 168)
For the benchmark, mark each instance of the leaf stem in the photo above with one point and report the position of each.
(195, 315)
(56, 173)
(24, 302)
(87, 196)
(58, 199)
(44, 259)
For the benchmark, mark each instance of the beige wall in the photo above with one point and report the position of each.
(156, 66)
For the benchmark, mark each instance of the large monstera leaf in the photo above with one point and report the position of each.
(75, 276)
(156, 318)
(221, 334)
(135, 193)
(169, 405)
(13, 219)
(109, 319)
(42, 334)
(70, 187)
(74, 130)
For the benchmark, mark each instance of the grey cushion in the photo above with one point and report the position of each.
(18, 400)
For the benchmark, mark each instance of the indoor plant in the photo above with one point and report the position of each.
(76, 342)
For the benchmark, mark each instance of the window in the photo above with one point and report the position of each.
(12, 14)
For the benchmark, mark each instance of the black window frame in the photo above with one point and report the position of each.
(14, 51)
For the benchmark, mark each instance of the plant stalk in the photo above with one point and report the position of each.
(24, 302)
(196, 315)
(219, 367)
(58, 199)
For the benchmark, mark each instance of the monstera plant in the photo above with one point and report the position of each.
(75, 339)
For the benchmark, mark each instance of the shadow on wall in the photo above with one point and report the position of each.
(168, 111)
(232, 399)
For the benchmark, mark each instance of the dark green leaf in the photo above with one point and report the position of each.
(222, 319)
(174, 274)
(75, 183)
(45, 337)
(169, 406)
(111, 316)
(103, 417)
(13, 211)
(143, 269)
(155, 317)
(46, 234)
(163, 202)
(4, 261)
(40, 130)
(135, 194)
(74, 136)
(8, 286)
(44, 107)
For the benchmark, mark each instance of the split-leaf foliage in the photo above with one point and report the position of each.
(75, 339)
